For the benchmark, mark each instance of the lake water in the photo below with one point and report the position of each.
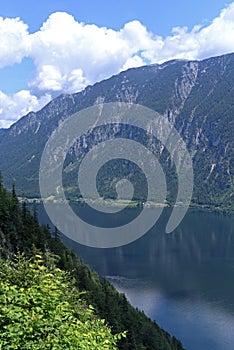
(184, 280)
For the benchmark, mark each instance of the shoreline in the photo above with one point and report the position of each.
(123, 203)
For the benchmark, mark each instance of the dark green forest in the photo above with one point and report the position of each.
(20, 233)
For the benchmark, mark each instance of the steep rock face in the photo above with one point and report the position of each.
(207, 124)
(196, 96)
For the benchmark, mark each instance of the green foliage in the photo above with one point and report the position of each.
(40, 308)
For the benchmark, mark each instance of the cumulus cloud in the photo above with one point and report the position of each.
(81, 53)
(14, 41)
(201, 42)
(19, 104)
(69, 55)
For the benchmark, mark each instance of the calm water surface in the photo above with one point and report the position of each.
(185, 280)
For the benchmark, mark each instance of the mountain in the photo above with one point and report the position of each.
(196, 96)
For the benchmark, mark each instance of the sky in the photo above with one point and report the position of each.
(50, 47)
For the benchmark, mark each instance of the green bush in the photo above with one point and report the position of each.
(40, 308)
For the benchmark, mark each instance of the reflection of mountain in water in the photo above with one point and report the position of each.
(197, 259)
(184, 280)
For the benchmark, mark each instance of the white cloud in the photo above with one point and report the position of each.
(134, 61)
(14, 41)
(69, 55)
(201, 42)
(15, 106)
(75, 51)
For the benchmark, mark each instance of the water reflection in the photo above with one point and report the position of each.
(199, 324)
(184, 280)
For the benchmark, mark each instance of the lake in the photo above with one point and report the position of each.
(183, 280)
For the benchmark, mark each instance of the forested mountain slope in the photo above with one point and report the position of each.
(196, 96)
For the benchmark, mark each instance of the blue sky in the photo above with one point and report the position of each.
(60, 46)
(158, 16)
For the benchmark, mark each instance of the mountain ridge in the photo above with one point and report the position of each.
(196, 96)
